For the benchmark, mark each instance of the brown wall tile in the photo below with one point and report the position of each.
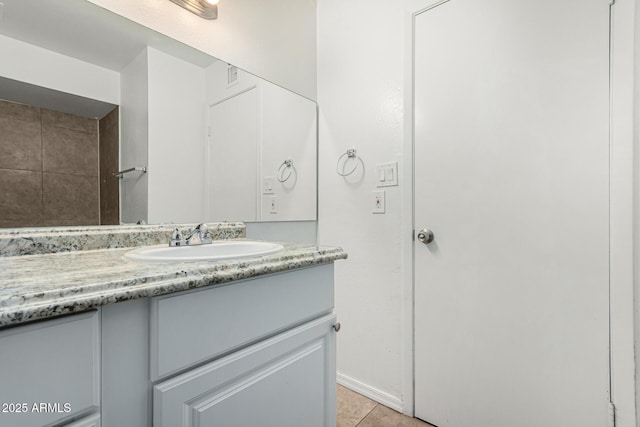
(49, 167)
(70, 199)
(19, 111)
(109, 160)
(69, 121)
(21, 201)
(20, 144)
(69, 151)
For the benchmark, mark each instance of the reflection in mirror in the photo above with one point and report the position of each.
(54, 166)
(256, 129)
(86, 93)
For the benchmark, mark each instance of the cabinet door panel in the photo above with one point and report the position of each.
(285, 381)
(51, 369)
(218, 320)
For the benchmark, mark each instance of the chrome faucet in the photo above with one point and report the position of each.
(199, 236)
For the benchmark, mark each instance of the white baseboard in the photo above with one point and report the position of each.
(372, 393)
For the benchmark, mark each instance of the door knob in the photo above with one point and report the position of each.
(425, 236)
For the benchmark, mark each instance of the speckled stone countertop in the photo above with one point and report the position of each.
(33, 241)
(40, 286)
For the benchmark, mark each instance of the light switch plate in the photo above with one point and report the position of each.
(378, 202)
(387, 174)
(267, 185)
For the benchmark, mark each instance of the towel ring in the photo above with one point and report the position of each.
(351, 153)
(287, 165)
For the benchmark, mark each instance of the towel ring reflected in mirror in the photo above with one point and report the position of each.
(286, 170)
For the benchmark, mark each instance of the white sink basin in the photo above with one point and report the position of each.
(219, 250)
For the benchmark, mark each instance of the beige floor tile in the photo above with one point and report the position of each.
(352, 407)
(381, 416)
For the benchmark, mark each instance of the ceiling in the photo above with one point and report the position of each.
(81, 30)
(42, 97)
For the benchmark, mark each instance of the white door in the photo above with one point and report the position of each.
(512, 177)
(234, 138)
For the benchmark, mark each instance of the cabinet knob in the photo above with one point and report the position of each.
(336, 327)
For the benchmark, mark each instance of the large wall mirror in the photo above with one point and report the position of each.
(86, 94)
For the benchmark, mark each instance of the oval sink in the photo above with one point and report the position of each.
(223, 249)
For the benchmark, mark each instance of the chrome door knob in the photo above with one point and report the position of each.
(425, 236)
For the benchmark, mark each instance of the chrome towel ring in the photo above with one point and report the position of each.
(286, 166)
(351, 153)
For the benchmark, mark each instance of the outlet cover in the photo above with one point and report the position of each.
(378, 202)
(273, 206)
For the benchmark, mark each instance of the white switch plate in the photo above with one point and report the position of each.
(267, 185)
(378, 202)
(387, 174)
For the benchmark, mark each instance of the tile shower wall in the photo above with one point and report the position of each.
(48, 168)
(109, 137)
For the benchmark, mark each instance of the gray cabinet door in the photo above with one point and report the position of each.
(285, 381)
(50, 370)
(193, 328)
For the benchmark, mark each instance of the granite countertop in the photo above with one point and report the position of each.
(39, 286)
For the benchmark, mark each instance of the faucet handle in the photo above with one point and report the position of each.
(205, 234)
(176, 238)
(177, 234)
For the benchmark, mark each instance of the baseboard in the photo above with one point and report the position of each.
(372, 393)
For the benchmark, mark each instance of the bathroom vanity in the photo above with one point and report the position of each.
(90, 338)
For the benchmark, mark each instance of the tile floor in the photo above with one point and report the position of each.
(355, 410)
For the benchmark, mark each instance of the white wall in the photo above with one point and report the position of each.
(288, 132)
(360, 81)
(622, 216)
(162, 118)
(177, 135)
(235, 175)
(636, 203)
(287, 129)
(232, 168)
(134, 137)
(290, 231)
(41, 67)
(273, 39)
(361, 48)
(217, 88)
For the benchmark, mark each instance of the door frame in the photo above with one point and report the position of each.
(621, 208)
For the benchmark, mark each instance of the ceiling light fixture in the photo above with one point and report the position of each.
(206, 9)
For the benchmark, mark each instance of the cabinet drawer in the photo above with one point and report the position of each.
(190, 328)
(285, 381)
(51, 369)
